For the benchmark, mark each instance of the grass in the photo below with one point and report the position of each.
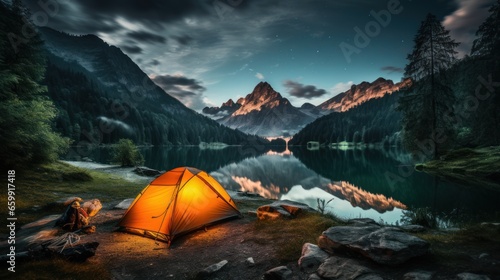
(288, 236)
(57, 269)
(37, 190)
(479, 166)
(455, 250)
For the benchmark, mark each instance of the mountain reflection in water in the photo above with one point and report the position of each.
(358, 181)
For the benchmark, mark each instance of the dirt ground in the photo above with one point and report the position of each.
(143, 258)
(130, 256)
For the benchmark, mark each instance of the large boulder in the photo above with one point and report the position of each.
(282, 209)
(312, 257)
(384, 245)
(342, 268)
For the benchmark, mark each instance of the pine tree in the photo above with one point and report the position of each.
(26, 121)
(488, 41)
(426, 104)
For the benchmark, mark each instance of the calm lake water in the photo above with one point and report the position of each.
(359, 183)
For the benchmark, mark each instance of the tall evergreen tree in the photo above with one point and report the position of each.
(429, 100)
(488, 41)
(26, 121)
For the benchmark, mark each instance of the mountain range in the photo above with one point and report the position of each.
(265, 112)
(262, 112)
(102, 96)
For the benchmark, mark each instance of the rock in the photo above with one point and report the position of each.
(413, 228)
(490, 224)
(76, 253)
(362, 222)
(282, 209)
(145, 171)
(314, 276)
(342, 268)
(207, 271)
(92, 207)
(312, 257)
(418, 275)
(278, 273)
(252, 213)
(384, 245)
(471, 276)
(250, 262)
(484, 255)
(125, 204)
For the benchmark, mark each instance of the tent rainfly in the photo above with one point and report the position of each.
(180, 200)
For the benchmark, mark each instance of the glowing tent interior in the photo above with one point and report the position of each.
(180, 200)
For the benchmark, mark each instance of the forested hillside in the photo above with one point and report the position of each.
(371, 122)
(102, 96)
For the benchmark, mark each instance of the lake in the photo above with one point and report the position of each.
(355, 183)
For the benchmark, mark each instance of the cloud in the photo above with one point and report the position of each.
(154, 62)
(341, 87)
(188, 91)
(131, 49)
(392, 69)
(143, 36)
(303, 91)
(259, 76)
(465, 20)
(183, 39)
(115, 123)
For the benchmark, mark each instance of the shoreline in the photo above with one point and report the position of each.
(477, 167)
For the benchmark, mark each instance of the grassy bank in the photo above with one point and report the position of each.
(37, 190)
(479, 166)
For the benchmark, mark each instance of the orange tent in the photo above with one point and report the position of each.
(180, 200)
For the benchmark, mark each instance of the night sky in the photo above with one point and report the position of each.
(205, 52)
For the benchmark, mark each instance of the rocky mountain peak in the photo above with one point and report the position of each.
(361, 93)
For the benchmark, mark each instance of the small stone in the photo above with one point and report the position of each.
(314, 276)
(124, 204)
(250, 262)
(484, 255)
(211, 269)
(471, 276)
(418, 275)
(490, 224)
(278, 273)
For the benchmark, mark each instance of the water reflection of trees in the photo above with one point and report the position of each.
(166, 158)
(369, 169)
